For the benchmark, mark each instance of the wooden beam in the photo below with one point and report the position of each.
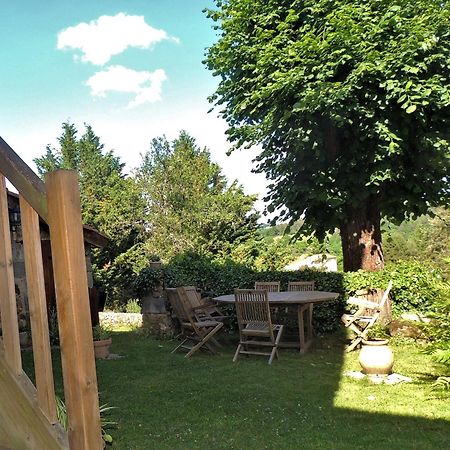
(38, 310)
(23, 178)
(8, 305)
(72, 299)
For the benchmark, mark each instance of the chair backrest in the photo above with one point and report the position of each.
(269, 286)
(300, 286)
(386, 294)
(375, 313)
(252, 306)
(177, 304)
(193, 295)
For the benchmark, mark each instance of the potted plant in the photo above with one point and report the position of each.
(376, 358)
(148, 287)
(102, 341)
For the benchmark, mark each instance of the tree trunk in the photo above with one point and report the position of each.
(361, 238)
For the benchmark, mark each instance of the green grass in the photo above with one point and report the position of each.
(165, 401)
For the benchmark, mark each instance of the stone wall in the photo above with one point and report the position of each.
(113, 320)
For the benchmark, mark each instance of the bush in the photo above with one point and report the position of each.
(133, 306)
(417, 287)
(146, 281)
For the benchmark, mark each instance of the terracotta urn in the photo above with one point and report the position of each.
(101, 348)
(376, 358)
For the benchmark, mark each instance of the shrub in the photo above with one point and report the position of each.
(147, 280)
(133, 306)
(417, 287)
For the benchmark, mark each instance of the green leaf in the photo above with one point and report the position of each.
(410, 109)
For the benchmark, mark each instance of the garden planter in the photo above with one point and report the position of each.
(376, 358)
(101, 348)
(23, 339)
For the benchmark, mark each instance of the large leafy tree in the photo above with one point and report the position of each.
(190, 207)
(350, 101)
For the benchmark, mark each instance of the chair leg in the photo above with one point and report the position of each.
(236, 354)
(354, 344)
(216, 343)
(204, 340)
(210, 348)
(178, 346)
(272, 354)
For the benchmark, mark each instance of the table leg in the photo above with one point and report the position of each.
(310, 327)
(304, 343)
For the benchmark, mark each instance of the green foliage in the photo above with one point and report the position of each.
(442, 383)
(147, 280)
(63, 419)
(61, 413)
(438, 331)
(189, 205)
(416, 286)
(349, 100)
(427, 239)
(133, 306)
(116, 276)
(100, 333)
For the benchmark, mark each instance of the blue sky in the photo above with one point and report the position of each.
(130, 68)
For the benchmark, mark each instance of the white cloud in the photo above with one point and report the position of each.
(146, 85)
(107, 36)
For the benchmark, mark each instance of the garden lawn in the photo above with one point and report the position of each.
(164, 401)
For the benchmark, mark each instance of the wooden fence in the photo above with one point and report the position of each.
(28, 418)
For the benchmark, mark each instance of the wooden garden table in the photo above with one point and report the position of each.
(304, 301)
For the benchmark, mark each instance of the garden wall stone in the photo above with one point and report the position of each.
(111, 319)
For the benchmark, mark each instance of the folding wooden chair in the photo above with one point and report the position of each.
(203, 309)
(254, 320)
(269, 286)
(300, 286)
(295, 286)
(198, 331)
(365, 317)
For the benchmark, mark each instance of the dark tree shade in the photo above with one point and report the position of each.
(350, 102)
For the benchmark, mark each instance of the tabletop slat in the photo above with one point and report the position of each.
(291, 297)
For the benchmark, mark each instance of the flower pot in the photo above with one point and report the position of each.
(101, 348)
(376, 358)
(23, 339)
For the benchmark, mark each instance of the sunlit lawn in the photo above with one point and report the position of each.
(165, 401)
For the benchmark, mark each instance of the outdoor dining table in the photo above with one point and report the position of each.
(304, 301)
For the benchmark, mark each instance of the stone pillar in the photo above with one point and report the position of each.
(155, 316)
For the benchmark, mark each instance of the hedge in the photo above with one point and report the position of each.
(416, 287)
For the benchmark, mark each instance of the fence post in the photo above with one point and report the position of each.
(72, 299)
